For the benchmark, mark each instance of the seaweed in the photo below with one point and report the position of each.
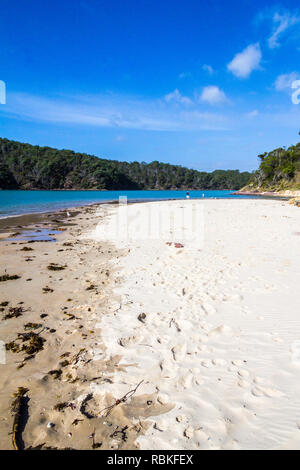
(64, 363)
(55, 267)
(91, 287)
(14, 312)
(32, 326)
(12, 346)
(18, 409)
(56, 373)
(61, 406)
(122, 432)
(35, 343)
(4, 304)
(47, 289)
(7, 277)
(26, 248)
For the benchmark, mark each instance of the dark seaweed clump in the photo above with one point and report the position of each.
(7, 277)
(55, 267)
(14, 312)
(34, 343)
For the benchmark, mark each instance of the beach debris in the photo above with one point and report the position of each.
(83, 407)
(91, 287)
(14, 312)
(47, 289)
(34, 343)
(55, 267)
(64, 363)
(32, 326)
(76, 421)
(142, 317)
(50, 425)
(176, 244)
(189, 432)
(55, 373)
(17, 409)
(95, 445)
(122, 432)
(61, 406)
(128, 395)
(8, 277)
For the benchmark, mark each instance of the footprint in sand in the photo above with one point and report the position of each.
(130, 341)
(208, 309)
(179, 352)
(243, 373)
(219, 362)
(266, 392)
(185, 381)
(222, 329)
(168, 369)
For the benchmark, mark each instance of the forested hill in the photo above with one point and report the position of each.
(24, 166)
(278, 170)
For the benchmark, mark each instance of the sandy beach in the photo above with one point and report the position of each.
(204, 319)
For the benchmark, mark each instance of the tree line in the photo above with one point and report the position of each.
(279, 169)
(24, 166)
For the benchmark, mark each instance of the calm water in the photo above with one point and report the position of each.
(25, 202)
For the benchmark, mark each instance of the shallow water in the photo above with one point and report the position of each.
(37, 235)
(27, 202)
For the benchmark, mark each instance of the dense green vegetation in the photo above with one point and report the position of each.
(278, 170)
(23, 166)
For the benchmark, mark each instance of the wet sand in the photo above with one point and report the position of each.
(58, 309)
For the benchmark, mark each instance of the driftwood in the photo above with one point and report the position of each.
(121, 400)
(17, 409)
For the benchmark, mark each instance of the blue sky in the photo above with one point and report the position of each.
(205, 84)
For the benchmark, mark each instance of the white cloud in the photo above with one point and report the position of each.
(252, 114)
(208, 68)
(213, 95)
(284, 81)
(184, 75)
(280, 24)
(113, 111)
(176, 97)
(246, 61)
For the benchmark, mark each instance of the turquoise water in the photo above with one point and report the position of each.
(26, 202)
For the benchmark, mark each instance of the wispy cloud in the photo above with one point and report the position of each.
(284, 82)
(281, 23)
(208, 68)
(183, 75)
(176, 97)
(243, 63)
(115, 111)
(252, 114)
(213, 95)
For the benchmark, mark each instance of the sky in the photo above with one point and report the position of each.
(203, 84)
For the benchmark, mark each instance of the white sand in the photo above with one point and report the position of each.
(221, 338)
